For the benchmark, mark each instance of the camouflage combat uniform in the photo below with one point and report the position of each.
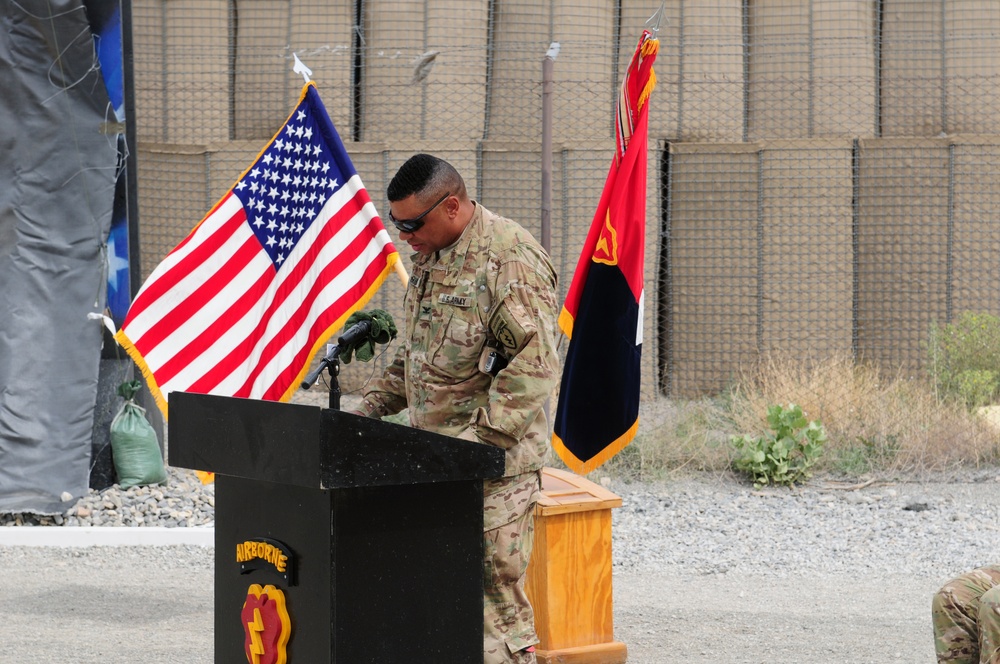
(966, 617)
(493, 290)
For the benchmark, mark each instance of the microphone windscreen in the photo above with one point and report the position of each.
(363, 330)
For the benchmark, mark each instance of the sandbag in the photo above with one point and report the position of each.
(135, 448)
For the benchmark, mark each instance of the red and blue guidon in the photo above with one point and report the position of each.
(598, 409)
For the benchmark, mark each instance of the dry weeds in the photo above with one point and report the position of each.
(874, 421)
(877, 423)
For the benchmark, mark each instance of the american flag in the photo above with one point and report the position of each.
(243, 303)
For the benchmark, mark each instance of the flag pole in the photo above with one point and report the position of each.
(653, 22)
(401, 271)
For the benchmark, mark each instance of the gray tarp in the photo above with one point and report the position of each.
(57, 174)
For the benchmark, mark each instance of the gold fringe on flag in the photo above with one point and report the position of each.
(650, 46)
(583, 467)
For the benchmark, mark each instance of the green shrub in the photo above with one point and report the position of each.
(977, 387)
(784, 456)
(964, 359)
(867, 454)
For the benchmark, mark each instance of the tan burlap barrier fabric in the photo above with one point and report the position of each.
(427, 59)
(509, 184)
(912, 88)
(843, 72)
(584, 90)
(584, 86)
(761, 257)
(171, 215)
(811, 69)
(902, 247)
(976, 237)
(261, 81)
(699, 69)
(972, 66)
(655, 264)
(781, 91)
(268, 33)
(807, 266)
(181, 60)
(940, 67)
(522, 33)
(711, 305)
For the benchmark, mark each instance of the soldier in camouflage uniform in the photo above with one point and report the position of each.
(966, 617)
(478, 361)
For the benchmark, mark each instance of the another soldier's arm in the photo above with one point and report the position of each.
(523, 321)
(387, 395)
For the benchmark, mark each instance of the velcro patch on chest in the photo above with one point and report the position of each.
(455, 300)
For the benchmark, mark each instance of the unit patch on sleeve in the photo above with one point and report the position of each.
(507, 330)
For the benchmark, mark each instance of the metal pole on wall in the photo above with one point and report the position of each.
(145, 399)
(547, 76)
(547, 85)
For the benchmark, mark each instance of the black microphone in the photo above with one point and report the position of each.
(355, 333)
(323, 364)
(374, 327)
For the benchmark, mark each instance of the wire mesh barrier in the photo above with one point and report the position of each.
(820, 180)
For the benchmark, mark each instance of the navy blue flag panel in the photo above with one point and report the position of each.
(599, 397)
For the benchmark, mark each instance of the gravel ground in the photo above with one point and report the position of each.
(707, 525)
(706, 570)
(709, 570)
(700, 524)
(183, 501)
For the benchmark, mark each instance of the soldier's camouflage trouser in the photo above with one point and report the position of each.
(966, 617)
(509, 532)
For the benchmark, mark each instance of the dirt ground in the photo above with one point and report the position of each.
(155, 604)
(736, 619)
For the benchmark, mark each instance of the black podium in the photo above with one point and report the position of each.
(338, 538)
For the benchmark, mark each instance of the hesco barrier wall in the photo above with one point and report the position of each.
(821, 174)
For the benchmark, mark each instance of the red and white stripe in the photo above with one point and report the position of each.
(216, 317)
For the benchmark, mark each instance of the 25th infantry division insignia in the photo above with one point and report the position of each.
(266, 625)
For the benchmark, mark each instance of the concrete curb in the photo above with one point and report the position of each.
(77, 536)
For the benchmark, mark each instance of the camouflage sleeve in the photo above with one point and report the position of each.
(387, 395)
(523, 322)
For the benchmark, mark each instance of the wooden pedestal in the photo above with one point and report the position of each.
(569, 576)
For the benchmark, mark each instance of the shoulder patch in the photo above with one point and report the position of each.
(507, 330)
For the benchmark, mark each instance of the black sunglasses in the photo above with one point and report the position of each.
(414, 224)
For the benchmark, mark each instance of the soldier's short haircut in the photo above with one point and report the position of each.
(425, 173)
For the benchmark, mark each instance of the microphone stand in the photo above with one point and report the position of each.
(332, 364)
(333, 368)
